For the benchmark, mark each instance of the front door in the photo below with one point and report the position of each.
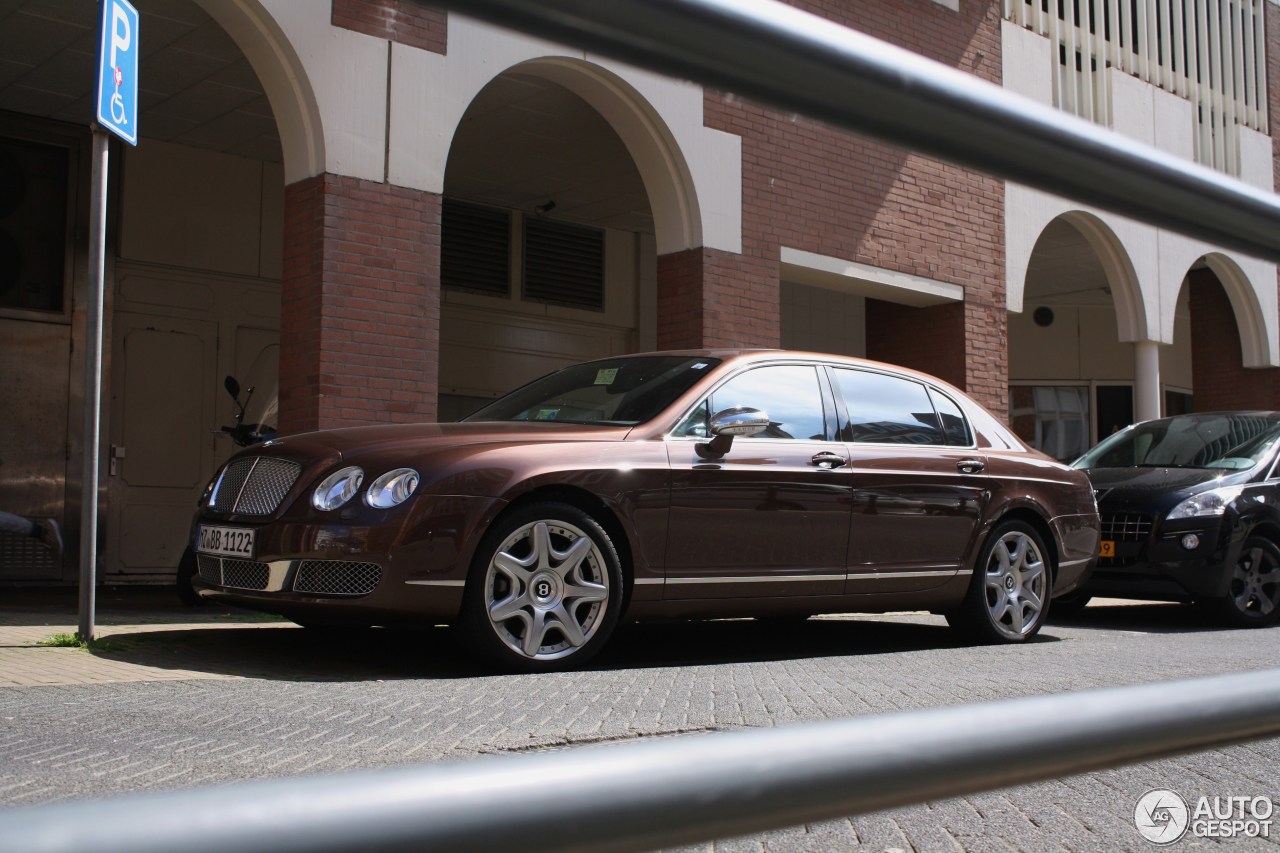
(771, 516)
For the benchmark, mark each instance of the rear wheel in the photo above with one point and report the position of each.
(1008, 598)
(1253, 592)
(545, 590)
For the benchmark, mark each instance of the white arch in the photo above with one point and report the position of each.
(1248, 312)
(1126, 291)
(673, 198)
(284, 79)
(692, 174)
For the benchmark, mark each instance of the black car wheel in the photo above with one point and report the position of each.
(1008, 599)
(1253, 591)
(545, 590)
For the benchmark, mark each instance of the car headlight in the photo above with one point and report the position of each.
(1210, 503)
(338, 488)
(392, 488)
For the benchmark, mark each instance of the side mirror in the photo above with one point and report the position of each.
(727, 423)
(233, 387)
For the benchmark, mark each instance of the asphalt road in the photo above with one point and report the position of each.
(253, 700)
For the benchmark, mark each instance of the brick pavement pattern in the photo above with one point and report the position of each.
(192, 698)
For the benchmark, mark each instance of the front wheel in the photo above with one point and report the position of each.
(1008, 599)
(1253, 591)
(545, 590)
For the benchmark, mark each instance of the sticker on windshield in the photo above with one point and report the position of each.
(606, 375)
(547, 414)
(699, 366)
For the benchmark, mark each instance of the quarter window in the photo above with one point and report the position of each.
(887, 409)
(954, 426)
(787, 393)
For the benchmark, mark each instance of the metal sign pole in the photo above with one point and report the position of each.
(93, 384)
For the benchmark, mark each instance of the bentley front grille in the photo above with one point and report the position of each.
(336, 577)
(239, 574)
(254, 486)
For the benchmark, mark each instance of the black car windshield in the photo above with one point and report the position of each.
(612, 392)
(1231, 441)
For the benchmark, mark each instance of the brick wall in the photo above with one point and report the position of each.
(1219, 381)
(809, 187)
(360, 304)
(711, 298)
(402, 21)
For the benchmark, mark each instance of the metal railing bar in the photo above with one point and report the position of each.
(797, 62)
(678, 790)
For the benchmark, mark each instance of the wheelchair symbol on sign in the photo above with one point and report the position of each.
(118, 113)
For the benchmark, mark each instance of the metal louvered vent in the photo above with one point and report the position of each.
(241, 574)
(475, 248)
(254, 486)
(563, 264)
(337, 577)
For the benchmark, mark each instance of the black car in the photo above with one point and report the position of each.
(1190, 510)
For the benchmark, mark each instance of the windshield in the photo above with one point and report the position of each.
(1231, 441)
(612, 392)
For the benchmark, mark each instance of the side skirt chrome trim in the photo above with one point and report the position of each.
(436, 583)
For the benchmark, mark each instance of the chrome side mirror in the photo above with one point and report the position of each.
(727, 423)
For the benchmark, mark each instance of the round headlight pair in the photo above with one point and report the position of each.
(391, 489)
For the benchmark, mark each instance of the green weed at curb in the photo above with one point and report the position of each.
(73, 641)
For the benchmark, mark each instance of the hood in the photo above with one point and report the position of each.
(428, 437)
(1155, 489)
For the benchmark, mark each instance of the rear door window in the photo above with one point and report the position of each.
(887, 409)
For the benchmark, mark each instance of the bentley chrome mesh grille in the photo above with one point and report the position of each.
(1125, 526)
(254, 486)
(336, 577)
(241, 574)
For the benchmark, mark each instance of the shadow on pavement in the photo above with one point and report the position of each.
(1148, 617)
(291, 653)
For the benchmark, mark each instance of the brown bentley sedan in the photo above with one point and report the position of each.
(674, 484)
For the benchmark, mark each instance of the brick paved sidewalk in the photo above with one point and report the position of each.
(123, 621)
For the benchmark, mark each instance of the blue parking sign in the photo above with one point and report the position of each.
(118, 69)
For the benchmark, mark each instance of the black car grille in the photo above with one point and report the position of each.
(1126, 526)
(241, 574)
(254, 486)
(336, 577)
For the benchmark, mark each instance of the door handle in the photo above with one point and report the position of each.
(827, 460)
(971, 466)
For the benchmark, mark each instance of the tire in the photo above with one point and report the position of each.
(1071, 604)
(1253, 597)
(1008, 598)
(187, 570)
(536, 600)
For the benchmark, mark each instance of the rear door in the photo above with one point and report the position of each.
(918, 486)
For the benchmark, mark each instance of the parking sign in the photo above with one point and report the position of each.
(118, 69)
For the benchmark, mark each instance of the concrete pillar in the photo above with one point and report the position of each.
(1147, 396)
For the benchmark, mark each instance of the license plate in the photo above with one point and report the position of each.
(1107, 548)
(226, 541)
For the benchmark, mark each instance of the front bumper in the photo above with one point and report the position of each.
(407, 565)
(1159, 567)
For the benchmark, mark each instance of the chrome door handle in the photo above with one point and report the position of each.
(971, 466)
(828, 460)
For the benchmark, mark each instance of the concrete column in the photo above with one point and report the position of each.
(1147, 402)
